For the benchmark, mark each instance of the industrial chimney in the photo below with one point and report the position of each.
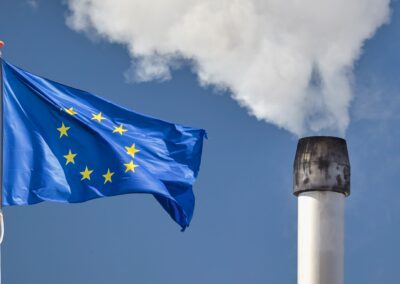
(321, 181)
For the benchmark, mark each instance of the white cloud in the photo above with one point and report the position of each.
(287, 62)
(32, 3)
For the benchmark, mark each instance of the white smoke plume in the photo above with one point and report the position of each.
(288, 62)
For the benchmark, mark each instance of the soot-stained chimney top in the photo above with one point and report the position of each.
(321, 164)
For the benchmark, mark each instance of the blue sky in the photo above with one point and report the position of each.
(244, 225)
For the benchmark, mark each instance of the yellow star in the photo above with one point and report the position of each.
(63, 130)
(130, 167)
(98, 117)
(107, 176)
(120, 129)
(70, 111)
(131, 150)
(70, 157)
(86, 174)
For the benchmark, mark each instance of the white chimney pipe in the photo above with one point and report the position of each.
(321, 182)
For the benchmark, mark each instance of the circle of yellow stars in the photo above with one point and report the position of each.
(86, 173)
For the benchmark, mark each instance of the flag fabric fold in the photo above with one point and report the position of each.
(66, 145)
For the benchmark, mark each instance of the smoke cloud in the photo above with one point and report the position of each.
(287, 62)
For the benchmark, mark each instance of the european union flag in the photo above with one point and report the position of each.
(67, 145)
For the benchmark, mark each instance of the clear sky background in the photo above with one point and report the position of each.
(244, 225)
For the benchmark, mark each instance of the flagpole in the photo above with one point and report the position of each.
(1, 155)
(321, 182)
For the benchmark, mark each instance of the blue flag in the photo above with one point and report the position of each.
(66, 145)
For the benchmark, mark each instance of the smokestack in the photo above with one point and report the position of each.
(321, 182)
